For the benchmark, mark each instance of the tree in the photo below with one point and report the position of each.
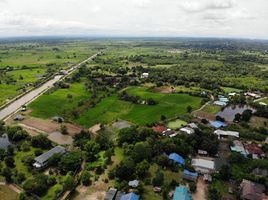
(38, 184)
(158, 180)
(142, 168)
(125, 170)
(127, 135)
(213, 194)
(64, 129)
(7, 173)
(92, 149)
(41, 141)
(246, 115)
(141, 151)
(225, 172)
(85, 178)
(189, 109)
(70, 162)
(68, 182)
(10, 162)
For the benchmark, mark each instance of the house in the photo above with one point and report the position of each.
(251, 190)
(182, 193)
(110, 195)
(190, 176)
(168, 132)
(202, 152)
(192, 125)
(4, 142)
(239, 148)
(176, 158)
(42, 160)
(58, 119)
(218, 124)
(255, 150)
(159, 128)
(203, 166)
(224, 99)
(18, 118)
(130, 196)
(187, 130)
(134, 183)
(63, 72)
(221, 133)
(231, 94)
(144, 75)
(260, 172)
(220, 103)
(252, 95)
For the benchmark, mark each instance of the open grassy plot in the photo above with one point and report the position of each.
(176, 124)
(7, 194)
(57, 103)
(229, 89)
(211, 109)
(112, 108)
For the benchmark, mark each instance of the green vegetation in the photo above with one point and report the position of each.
(110, 108)
(59, 102)
(211, 109)
(176, 124)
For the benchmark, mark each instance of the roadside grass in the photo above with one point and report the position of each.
(176, 124)
(57, 103)
(211, 109)
(111, 108)
(7, 194)
(8, 91)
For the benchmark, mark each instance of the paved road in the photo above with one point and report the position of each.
(17, 104)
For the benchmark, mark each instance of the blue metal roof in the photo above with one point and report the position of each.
(182, 193)
(176, 158)
(218, 124)
(188, 173)
(130, 196)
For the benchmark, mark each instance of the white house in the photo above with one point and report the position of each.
(203, 166)
(145, 75)
(221, 133)
(187, 130)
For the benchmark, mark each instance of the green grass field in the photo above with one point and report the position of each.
(57, 103)
(229, 89)
(111, 108)
(176, 124)
(211, 109)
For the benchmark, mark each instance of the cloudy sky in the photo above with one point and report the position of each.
(206, 18)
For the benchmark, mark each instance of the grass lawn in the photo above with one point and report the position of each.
(7, 194)
(211, 109)
(111, 108)
(57, 103)
(229, 89)
(258, 122)
(176, 124)
(8, 92)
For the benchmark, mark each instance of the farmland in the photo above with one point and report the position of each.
(25, 64)
(110, 108)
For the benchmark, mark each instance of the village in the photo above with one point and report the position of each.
(137, 132)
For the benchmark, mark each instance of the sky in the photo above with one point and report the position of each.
(151, 18)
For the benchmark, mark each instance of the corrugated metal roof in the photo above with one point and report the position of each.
(45, 156)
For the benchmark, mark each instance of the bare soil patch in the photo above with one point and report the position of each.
(164, 89)
(49, 126)
(203, 115)
(201, 189)
(94, 129)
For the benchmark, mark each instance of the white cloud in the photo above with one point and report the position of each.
(230, 18)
